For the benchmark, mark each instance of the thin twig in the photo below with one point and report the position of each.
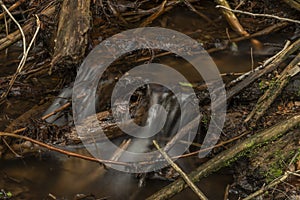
(296, 173)
(190, 6)
(259, 15)
(181, 172)
(265, 31)
(210, 148)
(118, 153)
(9, 147)
(68, 153)
(17, 23)
(150, 19)
(24, 57)
(56, 111)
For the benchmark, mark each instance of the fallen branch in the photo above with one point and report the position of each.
(227, 156)
(274, 91)
(68, 153)
(183, 175)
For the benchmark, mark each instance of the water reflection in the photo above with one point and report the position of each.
(34, 178)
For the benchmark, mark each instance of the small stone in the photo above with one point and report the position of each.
(27, 144)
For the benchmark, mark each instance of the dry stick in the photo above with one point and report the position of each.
(68, 153)
(12, 7)
(155, 15)
(265, 31)
(267, 187)
(181, 172)
(24, 58)
(151, 10)
(17, 23)
(297, 173)
(56, 111)
(210, 148)
(226, 194)
(259, 15)
(14, 37)
(234, 22)
(11, 149)
(227, 156)
(118, 153)
(274, 91)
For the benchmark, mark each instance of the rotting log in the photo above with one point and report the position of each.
(228, 156)
(72, 33)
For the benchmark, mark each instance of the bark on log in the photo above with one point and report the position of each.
(72, 33)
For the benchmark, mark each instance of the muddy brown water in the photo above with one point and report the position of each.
(34, 178)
